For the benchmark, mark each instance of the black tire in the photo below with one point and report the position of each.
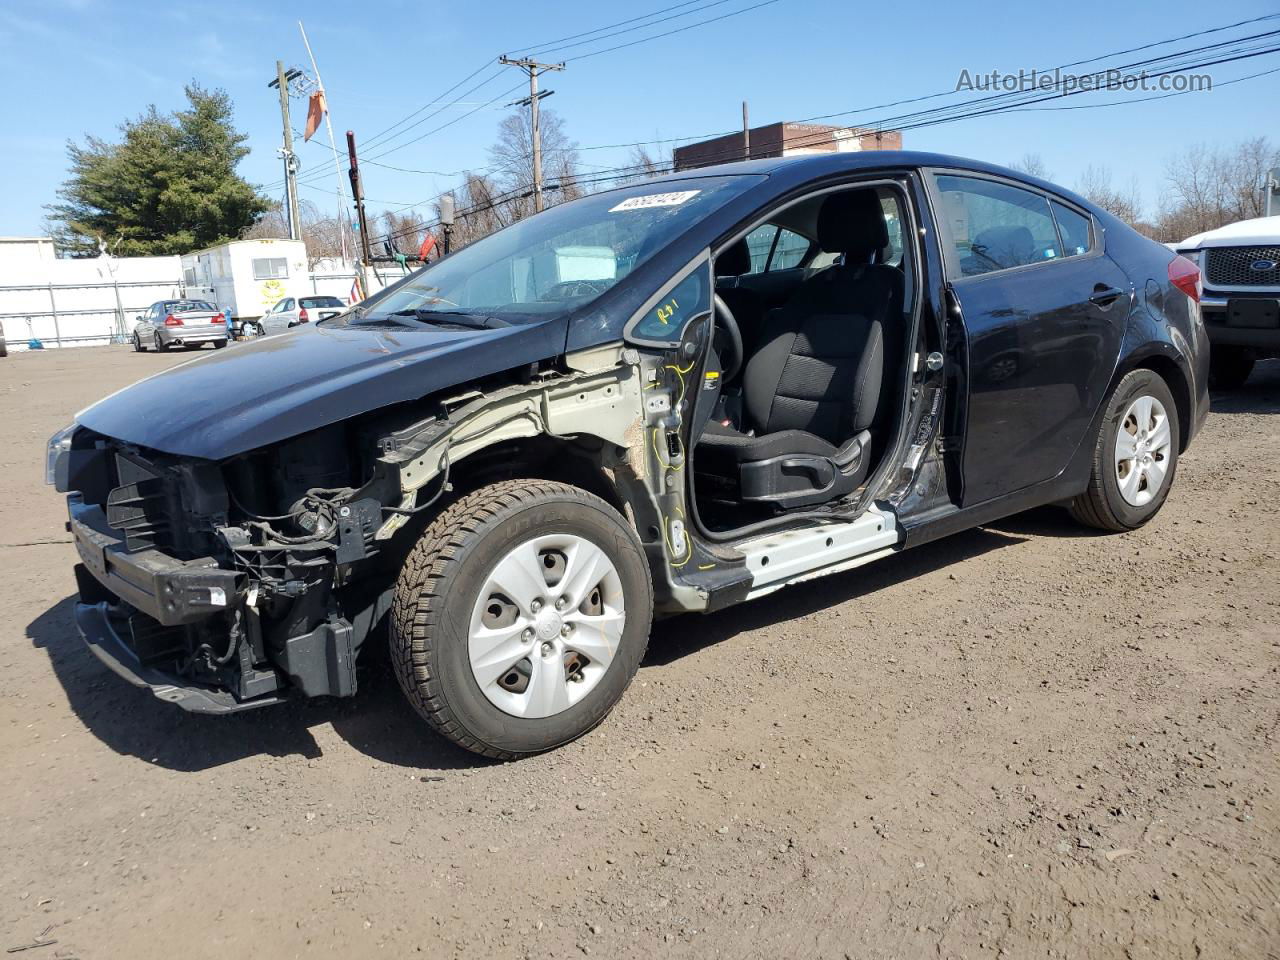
(1229, 367)
(161, 346)
(4, 348)
(219, 344)
(452, 559)
(137, 344)
(1102, 505)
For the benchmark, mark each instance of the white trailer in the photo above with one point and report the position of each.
(248, 276)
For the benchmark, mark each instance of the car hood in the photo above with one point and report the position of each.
(1260, 230)
(278, 387)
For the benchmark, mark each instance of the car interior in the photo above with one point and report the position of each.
(799, 413)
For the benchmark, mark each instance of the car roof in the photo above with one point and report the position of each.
(815, 166)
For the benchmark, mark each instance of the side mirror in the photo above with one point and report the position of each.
(139, 318)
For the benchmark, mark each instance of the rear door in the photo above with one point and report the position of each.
(1044, 312)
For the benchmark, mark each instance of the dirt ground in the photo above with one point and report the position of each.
(1023, 741)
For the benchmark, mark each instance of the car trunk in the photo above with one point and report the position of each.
(198, 322)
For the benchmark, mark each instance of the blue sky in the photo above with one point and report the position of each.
(73, 67)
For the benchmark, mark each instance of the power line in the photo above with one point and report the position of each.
(983, 106)
(542, 51)
(537, 48)
(670, 33)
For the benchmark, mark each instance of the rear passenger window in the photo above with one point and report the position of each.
(760, 244)
(789, 252)
(1074, 228)
(776, 248)
(995, 226)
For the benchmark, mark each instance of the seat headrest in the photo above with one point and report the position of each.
(852, 223)
(1009, 246)
(734, 261)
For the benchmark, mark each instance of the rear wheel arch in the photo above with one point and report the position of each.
(1175, 377)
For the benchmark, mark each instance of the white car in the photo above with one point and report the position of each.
(292, 311)
(1240, 266)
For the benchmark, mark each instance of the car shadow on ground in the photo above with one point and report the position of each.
(378, 721)
(1260, 393)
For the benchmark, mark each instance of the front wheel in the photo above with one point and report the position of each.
(520, 617)
(1135, 456)
(137, 343)
(1229, 367)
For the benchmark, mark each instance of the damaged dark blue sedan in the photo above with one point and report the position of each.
(668, 397)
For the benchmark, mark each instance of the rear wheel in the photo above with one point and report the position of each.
(1229, 367)
(219, 344)
(1135, 456)
(161, 346)
(547, 617)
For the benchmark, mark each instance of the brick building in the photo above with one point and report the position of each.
(785, 140)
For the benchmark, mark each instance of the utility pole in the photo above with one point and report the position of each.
(746, 133)
(533, 68)
(290, 161)
(357, 191)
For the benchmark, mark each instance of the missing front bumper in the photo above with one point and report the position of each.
(101, 633)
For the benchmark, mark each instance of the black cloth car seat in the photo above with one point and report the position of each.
(816, 384)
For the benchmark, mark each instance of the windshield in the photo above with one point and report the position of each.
(561, 259)
(321, 302)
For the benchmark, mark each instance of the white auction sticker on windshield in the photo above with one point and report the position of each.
(656, 200)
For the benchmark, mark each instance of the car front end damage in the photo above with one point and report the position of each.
(223, 586)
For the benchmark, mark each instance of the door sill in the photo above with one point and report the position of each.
(793, 556)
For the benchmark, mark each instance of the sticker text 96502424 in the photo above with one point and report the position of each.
(655, 200)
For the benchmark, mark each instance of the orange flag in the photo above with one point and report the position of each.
(428, 244)
(316, 108)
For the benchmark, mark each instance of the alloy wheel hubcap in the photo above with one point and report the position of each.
(1143, 447)
(546, 625)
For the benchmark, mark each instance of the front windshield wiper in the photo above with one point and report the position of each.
(458, 318)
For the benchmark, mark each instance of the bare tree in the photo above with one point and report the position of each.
(1095, 186)
(404, 231)
(512, 157)
(480, 209)
(1032, 164)
(1209, 188)
(323, 235)
(642, 165)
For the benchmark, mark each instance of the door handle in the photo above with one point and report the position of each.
(1104, 296)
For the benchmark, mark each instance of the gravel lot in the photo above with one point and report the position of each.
(1025, 740)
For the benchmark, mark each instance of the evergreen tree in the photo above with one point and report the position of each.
(170, 185)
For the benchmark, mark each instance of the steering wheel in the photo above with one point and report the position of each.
(730, 359)
(568, 289)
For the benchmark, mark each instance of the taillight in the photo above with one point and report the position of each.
(302, 316)
(1185, 275)
(218, 318)
(172, 321)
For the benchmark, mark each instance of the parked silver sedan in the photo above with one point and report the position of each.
(292, 311)
(180, 323)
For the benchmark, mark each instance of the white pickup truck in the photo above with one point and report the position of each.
(1240, 301)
